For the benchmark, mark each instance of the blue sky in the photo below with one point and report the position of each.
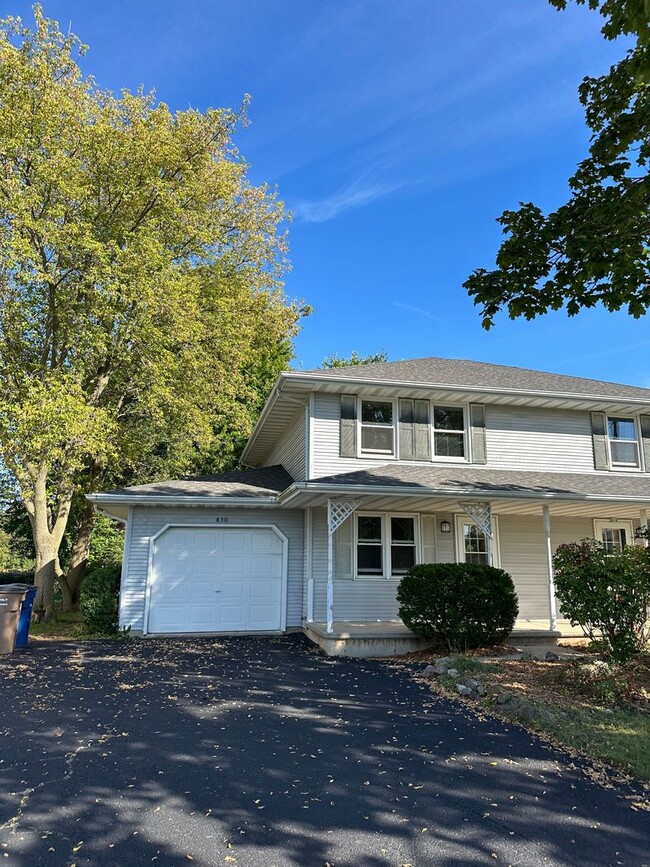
(396, 132)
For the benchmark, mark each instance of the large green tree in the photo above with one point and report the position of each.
(142, 316)
(595, 248)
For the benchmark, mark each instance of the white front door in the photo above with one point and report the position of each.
(615, 535)
(217, 579)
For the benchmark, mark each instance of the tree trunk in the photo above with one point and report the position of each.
(73, 579)
(44, 577)
(47, 533)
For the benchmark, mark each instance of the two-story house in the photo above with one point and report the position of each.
(358, 473)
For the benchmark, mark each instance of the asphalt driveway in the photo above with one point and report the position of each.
(259, 751)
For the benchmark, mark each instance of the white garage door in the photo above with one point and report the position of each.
(217, 579)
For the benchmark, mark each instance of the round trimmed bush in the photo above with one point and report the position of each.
(459, 605)
(100, 599)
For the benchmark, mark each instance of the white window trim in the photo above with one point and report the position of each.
(375, 453)
(626, 468)
(601, 524)
(385, 543)
(432, 433)
(461, 520)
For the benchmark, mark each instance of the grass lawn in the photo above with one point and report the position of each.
(598, 711)
(68, 625)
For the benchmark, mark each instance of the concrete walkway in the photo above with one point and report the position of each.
(260, 752)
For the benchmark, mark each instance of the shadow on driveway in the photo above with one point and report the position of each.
(258, 751)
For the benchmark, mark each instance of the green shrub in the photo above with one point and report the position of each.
(100, 599)
(606, 594)
(459, 605)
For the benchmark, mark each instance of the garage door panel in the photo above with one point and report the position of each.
(233, 617)
(201, 564)
(235, 542)
(217, 579)
(236, 567)
(232, 591)
(266, 567)
(269, 544)
(206, 544)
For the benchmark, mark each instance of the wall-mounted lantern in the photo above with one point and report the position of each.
(445, 527)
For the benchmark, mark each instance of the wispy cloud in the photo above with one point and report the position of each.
(352, 196)
(623, 347)
(420, 311)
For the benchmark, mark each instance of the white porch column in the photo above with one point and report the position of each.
(330, 574)
(552, 607)
(309, 542)
(338, 511)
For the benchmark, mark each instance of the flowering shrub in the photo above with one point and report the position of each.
(606, 594)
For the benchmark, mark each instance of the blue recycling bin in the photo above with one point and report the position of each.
(22, 633)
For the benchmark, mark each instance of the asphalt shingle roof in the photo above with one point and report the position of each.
(262, 482)
(452, 372)
(470, 479)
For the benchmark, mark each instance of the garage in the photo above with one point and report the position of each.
(217, 579)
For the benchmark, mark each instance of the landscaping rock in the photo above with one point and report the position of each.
(439, 668)
(429, 671)
(472, 683)
(504, 698)
(462, 689)
(480, 689)
(452, 672)
(551, 657)
(527, 712)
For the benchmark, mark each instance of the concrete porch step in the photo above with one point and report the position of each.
(365, 638)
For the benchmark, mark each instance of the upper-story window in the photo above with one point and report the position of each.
(623, 441)
(448, 432)
(377, 428)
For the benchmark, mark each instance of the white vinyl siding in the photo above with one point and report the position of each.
(517, 438)
(522, 546)
(538, 439)
(146, 522)
(291, 448)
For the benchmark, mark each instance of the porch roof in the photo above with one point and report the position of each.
(442, 487)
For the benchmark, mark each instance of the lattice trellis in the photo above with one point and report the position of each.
(481, 514)
(338, 511)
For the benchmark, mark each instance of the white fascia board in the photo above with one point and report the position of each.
(309, 379)
(408, 491)
(106, 500)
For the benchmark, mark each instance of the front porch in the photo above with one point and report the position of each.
(363, 531)
(364, 638)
